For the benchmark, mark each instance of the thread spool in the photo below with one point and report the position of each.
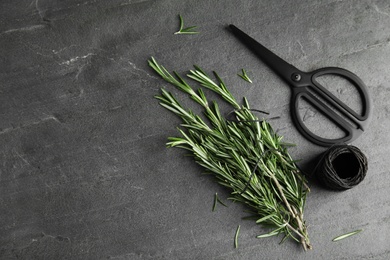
(342, 167)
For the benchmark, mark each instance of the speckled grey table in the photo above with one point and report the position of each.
(84, 172)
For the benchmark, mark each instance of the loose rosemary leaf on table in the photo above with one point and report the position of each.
(347, 235)
(245, 155)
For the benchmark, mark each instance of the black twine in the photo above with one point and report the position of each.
(250, 177)
(342, 167)
(250, 109)
(253, 172)
(263, 154)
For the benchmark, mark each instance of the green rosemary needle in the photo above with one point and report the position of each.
(236, 237)
(221, 202)
(187, 30)
(245, 155)
(216, 199)
(347, 235)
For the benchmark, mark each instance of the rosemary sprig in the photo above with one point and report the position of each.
(233, 150)
(245, 76)
(188, 30)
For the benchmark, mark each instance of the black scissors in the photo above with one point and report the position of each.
(304, 85)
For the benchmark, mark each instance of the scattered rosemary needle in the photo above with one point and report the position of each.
(188, 30)
(347, 235)
(217, 199)
(236, 237)
(245, 76)
(245, 155)
(221, 202)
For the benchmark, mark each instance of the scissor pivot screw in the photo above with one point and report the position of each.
(296, 77)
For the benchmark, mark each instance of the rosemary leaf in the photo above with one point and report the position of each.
(263, 219)
(270, 234)
(347, 235)
(215, 201)
(236, 237)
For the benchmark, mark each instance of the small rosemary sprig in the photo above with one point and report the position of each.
(244, 155)
(188, 30)
(245, 76)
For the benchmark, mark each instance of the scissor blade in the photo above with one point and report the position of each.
(278, 65)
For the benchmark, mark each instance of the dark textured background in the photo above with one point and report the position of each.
(84, 172)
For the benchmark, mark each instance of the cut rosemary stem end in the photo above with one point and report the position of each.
(245, 155)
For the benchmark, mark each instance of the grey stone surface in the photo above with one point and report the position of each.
(84, 172)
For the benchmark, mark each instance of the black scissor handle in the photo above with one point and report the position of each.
(304, 85)
(313, 92)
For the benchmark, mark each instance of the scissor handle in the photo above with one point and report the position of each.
(314, 93)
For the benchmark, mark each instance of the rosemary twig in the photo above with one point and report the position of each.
(245, 76)
(187, 30)
(245, 155)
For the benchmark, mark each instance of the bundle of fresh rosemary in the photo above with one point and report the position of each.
(245, 155)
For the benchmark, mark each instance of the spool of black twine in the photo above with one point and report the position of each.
(342, 167)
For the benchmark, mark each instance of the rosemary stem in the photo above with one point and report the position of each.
(295, 231)
(293, 212)
(281, 193)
